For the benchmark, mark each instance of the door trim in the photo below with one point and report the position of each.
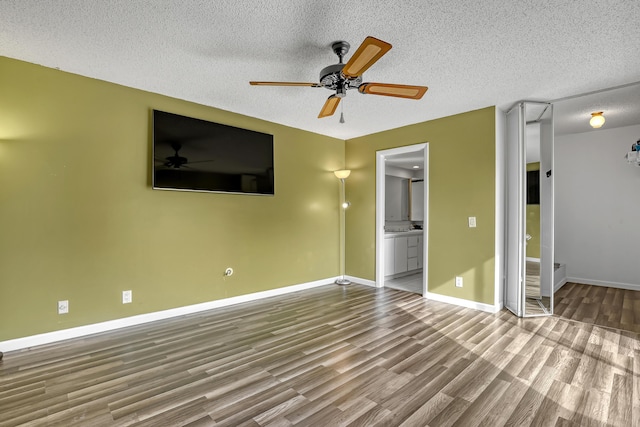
(380, 211)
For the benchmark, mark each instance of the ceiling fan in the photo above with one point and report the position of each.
(342, 77)
(177, 161)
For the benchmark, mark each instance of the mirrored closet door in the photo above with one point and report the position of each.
(529, 210)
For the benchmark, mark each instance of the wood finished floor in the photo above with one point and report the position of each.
(332, 356)
(603, 306)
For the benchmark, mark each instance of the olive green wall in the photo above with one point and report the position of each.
(462, 182)
(80, 221)
(533, 222)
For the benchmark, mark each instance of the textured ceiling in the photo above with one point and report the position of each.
(470, 54)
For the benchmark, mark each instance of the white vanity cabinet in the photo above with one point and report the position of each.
(389, 255)
(403, 252)
(412, 253)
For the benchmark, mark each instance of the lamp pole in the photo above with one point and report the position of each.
(342, 175)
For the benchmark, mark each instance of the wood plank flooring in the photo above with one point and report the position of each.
(611, 307)
(331, 356)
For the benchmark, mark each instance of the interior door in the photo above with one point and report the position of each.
(515, 235)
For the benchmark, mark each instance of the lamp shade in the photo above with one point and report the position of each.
(597, 120)
(342, 174)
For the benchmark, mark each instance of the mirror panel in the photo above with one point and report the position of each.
(538, 147)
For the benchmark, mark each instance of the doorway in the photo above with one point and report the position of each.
(402, 230)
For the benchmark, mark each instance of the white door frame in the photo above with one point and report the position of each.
(380, 214)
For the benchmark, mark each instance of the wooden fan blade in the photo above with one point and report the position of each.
(329, 107)
(399, 91)
(284, 84)
(367, 54)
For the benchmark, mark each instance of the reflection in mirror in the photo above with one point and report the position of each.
(397, 198)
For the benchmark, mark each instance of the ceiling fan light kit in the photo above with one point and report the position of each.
(342, 77)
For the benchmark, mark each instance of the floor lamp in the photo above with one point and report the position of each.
(342, 175)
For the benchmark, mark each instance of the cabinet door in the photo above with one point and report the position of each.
(400, 254)
(420, 251)
(412, 252)
(389, 256)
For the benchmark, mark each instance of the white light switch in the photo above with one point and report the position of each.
(472, 222)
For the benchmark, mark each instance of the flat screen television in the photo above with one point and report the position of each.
(197, 155)
(533, 187)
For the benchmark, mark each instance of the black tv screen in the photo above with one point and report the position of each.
(196, 155)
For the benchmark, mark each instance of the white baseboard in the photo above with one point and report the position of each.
(80, 331)
(627, 286)
(361, 281)
(464, 303)
(533, 259)
(559, 285)
(559, 277)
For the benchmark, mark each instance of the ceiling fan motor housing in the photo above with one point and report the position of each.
(331, 77)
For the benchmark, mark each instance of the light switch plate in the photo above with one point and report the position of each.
(472, 222)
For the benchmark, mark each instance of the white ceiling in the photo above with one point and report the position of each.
(470, 54)
(406, 160)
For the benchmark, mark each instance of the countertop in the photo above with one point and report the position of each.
(389, 234)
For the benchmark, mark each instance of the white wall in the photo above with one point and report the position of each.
(597, 209)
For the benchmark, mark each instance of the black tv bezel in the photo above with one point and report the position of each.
(194, 190)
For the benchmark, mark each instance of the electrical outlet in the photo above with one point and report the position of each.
(472, 222)
(63, 307)
(127, 297)
(458, 281)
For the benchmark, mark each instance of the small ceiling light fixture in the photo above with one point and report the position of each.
(416, 167)
(597, 120)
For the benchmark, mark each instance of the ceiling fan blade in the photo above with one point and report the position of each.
(388, 89)
(284, 84)
(367, 54)
(201, 161)
(329, 107)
